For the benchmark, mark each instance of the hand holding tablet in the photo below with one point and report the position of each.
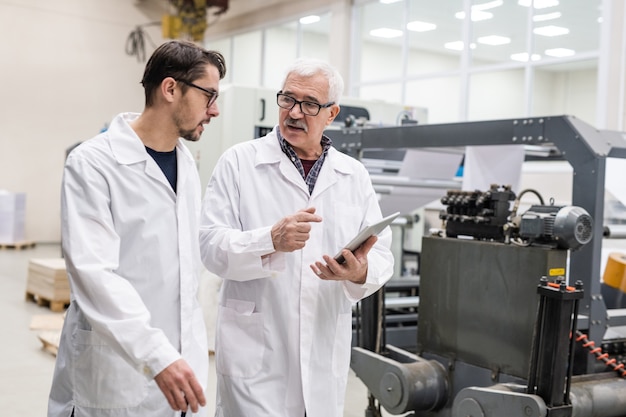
(364, 234)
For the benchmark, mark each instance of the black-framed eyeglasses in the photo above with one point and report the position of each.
(309, 108)
(211, 93)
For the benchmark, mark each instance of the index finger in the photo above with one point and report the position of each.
(307, 216)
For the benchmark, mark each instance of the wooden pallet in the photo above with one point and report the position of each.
(17, 245)
(56, 306)
(47, 322)
(50, 341)
(48, 327)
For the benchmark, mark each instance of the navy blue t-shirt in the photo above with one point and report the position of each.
(167, 162)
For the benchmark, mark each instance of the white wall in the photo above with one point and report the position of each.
(65, 74)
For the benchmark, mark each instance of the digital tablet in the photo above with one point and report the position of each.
(364, 234)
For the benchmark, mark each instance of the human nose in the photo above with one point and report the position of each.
(213, 110)
(297, 108)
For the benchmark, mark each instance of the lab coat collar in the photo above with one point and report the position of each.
(128, 149)
(125, 144)
(271, 152)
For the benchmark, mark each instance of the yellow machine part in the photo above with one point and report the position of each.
(171, 26)
(615, 271)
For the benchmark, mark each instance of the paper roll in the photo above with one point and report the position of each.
(615, 271)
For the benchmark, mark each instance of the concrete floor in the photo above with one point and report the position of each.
(26, 368)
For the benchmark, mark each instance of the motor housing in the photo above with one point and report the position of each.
(564, 227)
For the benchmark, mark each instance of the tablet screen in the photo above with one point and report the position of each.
(364, 234)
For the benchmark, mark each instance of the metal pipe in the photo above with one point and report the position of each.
(615, 231)
(598, 395)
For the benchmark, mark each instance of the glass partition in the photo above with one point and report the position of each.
(246, 60)
(430, 27)
(566, 88)
(280, 50)
(380, 38)
(496, 95)
(439, 96)
(315, 36)
(524, 57)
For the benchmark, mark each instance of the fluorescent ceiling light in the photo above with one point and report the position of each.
(559, 52)
(307, 20)
(523, 57)
(478, 11)
(417, 26)
(488, 5)
(494, 40)
(389, 1)
(458, 45)
(477, 15)
(547, 16)
(386, 33)
(538, 4)
(551, 31)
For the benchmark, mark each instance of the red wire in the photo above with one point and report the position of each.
(612, 363)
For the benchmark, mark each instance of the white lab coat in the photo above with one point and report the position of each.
(131, 249)
(283, 334)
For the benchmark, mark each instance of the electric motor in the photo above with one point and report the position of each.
(566, 227)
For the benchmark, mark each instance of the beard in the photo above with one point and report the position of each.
(189, 135)
(185, 133)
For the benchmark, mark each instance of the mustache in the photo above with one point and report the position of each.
(299, 124)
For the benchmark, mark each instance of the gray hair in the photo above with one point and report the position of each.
(307, 67)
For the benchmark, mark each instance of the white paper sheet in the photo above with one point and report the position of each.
(614, 178)
(487, 165)
(422, 166)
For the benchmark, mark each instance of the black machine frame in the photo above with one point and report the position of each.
(565, 137)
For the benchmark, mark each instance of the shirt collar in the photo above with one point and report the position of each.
(289, 151)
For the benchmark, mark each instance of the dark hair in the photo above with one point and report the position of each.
(181, 60)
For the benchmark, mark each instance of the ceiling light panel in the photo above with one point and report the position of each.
(307, 20)
(386, 33)
(488, 5)
(457, 45)
(559, 52)
(523, 57)
(417, 26)
(538, 4)
(551, 31)
(545, 17)
(477, 15)
(494, 40)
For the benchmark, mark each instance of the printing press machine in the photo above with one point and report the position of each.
(512, 317)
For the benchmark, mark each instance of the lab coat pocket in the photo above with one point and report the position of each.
(239, 343)
(342, 345)
(102, 378)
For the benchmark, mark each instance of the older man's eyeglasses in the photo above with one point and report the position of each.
(309, 108)
(212, 94)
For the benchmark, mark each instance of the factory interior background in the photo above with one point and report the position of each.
(69, 66)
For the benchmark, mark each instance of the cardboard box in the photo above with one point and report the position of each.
(12, 217)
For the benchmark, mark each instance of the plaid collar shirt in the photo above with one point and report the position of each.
(310, 179)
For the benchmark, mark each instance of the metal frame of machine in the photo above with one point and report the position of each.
(563, 137)
(583, 146)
